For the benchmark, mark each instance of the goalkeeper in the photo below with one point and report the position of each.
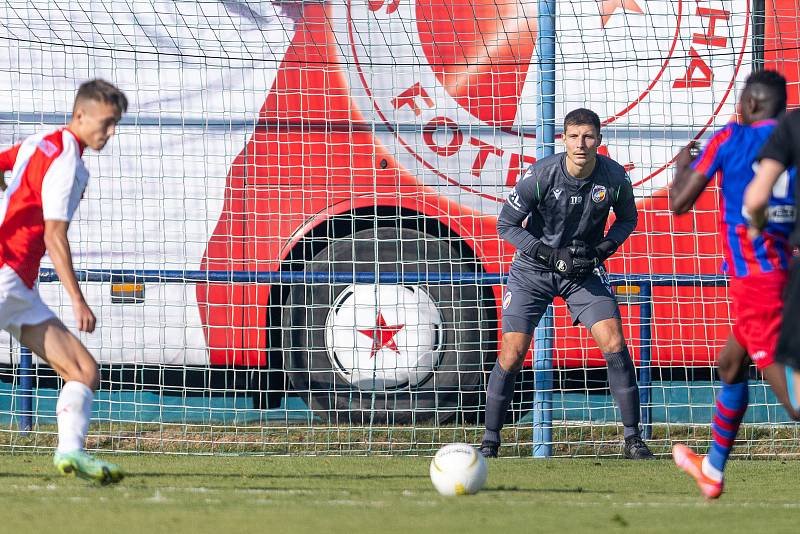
(566, 199)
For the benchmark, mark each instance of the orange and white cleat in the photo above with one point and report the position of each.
(692, 463)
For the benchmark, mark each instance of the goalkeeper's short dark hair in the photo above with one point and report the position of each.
(581, 116)
(772, 82)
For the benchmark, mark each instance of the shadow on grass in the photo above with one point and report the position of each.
(270, 476)
(29, 474)
(516, 489)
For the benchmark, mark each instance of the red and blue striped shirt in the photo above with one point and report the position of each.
(732, 152)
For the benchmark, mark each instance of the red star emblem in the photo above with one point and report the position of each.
(382, 335)
(609, 7)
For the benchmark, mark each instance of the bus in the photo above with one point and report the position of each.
(355, 139)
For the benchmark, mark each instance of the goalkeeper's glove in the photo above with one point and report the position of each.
(604, 250)
(573, 262)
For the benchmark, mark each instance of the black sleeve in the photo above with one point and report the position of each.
(522, 199)
(781, 145)
(626, 213)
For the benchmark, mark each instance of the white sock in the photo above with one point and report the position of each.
(73, 411)
(710, 471)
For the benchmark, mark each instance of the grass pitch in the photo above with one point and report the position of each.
(321, 495)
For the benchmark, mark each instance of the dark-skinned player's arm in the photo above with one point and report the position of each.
(691, 179)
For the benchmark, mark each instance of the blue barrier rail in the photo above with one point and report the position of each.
(543, 339)
(302, 277)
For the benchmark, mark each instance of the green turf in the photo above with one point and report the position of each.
(385, 495)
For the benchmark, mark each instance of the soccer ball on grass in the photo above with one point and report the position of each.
(458, 469)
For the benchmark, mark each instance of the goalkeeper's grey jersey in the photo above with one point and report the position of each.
(560, 208)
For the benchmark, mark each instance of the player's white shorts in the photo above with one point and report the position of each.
(19, 304)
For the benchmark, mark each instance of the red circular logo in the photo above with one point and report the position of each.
(452, 89)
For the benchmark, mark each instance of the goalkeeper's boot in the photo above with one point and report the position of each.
(636, 449)
(84, 465)
(488, 449)
(686, 459)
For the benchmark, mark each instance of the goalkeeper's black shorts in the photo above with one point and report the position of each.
(529, 291)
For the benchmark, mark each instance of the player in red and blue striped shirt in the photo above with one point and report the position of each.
(758, 267)
(731, 152)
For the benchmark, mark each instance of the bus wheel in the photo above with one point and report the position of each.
(389, 352)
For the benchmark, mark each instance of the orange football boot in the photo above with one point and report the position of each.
(689, 461)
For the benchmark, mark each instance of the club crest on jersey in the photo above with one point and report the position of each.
(47, 147)
(507, 300)
(598, 193)
(758, 356)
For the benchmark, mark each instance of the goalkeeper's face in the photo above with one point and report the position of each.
(581, 142)
(95, 122)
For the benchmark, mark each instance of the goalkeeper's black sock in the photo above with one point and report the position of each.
(499, 392)
(624, 389)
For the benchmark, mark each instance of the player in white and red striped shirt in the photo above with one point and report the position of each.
(47, 182)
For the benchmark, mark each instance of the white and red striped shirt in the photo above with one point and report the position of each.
(47, 182)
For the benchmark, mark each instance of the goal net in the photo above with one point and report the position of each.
(290, 244)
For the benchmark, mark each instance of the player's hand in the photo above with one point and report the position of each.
(584, 259)
(753, 233)
(756, 224)
(687, 155)
(604, 250)
(574, 262)
(84, 317)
